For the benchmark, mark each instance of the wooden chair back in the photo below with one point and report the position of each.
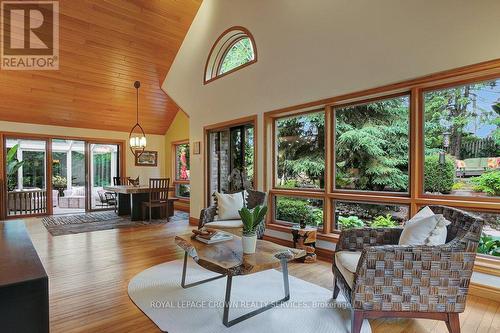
(121, 181)
(158, 189)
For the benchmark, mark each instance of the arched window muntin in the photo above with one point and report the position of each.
(222, 46)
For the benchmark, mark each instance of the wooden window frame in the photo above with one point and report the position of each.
(176, 181)
(213, 64)
(411, 145)
(414, 198)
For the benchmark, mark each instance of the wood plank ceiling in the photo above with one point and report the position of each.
(105, 45)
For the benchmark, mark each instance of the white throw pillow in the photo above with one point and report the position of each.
(228, 205)
(438, 235)
(417, 230)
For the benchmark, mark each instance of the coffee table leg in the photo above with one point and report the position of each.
(183, 281)
(227, 301)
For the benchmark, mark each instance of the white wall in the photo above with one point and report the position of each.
(314, 49)
(155, 142)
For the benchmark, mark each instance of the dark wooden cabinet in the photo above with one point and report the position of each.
(24, 285)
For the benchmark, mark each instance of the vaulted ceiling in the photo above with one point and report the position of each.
(105, 45)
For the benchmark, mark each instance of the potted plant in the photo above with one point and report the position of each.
(251, 219)
(59, 183)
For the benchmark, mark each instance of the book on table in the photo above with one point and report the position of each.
(219, 236)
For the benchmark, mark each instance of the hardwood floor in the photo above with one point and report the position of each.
(89, 274)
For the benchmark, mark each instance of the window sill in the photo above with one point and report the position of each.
(487, 265)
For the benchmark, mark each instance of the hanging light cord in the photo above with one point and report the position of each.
(137, 103)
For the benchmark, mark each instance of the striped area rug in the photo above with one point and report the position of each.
(95, 221)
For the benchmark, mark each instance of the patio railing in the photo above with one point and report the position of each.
(27, 202)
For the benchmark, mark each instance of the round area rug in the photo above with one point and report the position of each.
(158, 293)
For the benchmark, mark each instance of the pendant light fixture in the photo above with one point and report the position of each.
(137, 137)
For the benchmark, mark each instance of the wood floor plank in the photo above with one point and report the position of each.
(89, 274)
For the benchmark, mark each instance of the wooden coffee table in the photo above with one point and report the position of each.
(227, 259)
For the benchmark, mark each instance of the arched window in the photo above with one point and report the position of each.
(233, 50)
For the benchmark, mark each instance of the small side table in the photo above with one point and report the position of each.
(305, 239)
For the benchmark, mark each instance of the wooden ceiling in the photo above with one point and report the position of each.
(105, 45)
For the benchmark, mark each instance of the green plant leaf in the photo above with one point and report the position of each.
(12, 152)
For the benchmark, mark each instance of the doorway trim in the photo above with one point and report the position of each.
(48, 150)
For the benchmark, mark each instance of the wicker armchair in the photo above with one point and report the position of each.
(409, 281)
(254, 198)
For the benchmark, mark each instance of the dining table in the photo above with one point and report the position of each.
(131, 197)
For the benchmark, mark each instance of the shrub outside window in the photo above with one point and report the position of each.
(349, 214)
(300, 151)
(294, 210)
(372, 145)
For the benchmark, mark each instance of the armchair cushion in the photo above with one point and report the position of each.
(347, 262)
(417, 230)
(228, 205)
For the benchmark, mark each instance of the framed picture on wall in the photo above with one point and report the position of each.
(147, 158)
(196, 148)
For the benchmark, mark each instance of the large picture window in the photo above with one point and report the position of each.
(372, 144)
(462, 140)
(374, 158)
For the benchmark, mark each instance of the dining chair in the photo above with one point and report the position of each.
(106, 199)
(121, 181)
(158, 196)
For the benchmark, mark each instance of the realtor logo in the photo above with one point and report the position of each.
(30, 35)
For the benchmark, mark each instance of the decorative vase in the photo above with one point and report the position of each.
(249, 244)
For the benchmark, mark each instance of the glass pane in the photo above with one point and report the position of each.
(230, 160)
(350, 214)
(104, 164)
(182, 162)
(239, 54)
(300, 156)
(490, 240)
(249, 154)
(371, 146)
(462, 140)
(34, 169)
(26, 172)
(182, 190)
(68, 176)
(295, 210)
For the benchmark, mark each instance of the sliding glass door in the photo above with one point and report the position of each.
(68, 176)
(104, 165)
(26, 170)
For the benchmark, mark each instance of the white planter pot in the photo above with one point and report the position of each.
(249, 244)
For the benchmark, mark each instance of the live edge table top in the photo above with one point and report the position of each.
(227, 257)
